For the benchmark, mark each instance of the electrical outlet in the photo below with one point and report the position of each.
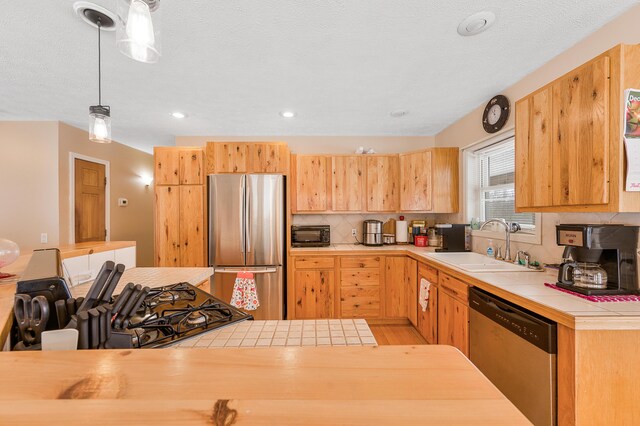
(44, 238)
(353, 232)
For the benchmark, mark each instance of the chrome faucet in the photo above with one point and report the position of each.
(509, 228)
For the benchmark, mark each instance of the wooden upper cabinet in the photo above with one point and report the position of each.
(570, 154)
(310, 182)
(191, 166)
(581, 129)
(167, 165)
(347, 186)
(269, 157)
(230, 157)
(416, 184)
(445, 171)
(534, 150)
(382, 184)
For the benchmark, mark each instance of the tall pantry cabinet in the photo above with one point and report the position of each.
(180, 207)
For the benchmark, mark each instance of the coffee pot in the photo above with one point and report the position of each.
(583, 274)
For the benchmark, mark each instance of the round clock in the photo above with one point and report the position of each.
(496, 114)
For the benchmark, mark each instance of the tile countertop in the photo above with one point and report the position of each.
(261, 334)
(525, 289)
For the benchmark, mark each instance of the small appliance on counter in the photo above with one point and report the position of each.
(453, 237)
(599, 259)
(372, 232)
(310, 236)
(389, 232)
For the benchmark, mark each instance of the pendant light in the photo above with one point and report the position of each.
(138, 29)
(100, 115)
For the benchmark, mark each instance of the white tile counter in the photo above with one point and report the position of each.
(249, 334)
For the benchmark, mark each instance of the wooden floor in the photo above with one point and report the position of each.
(396, 335)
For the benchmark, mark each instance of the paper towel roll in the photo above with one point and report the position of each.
(401, 232)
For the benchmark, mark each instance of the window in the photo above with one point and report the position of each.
(490, 181)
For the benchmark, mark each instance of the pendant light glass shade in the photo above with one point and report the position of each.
(138, 29)
(99, 124)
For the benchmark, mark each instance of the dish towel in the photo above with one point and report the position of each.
(424, 293)
(244, 294)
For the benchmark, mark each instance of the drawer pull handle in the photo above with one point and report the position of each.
(450, 289)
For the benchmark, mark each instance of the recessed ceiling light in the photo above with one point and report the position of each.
(178, 115)
(288, 114)
(87, 12)
(476, 23)
(399, 113)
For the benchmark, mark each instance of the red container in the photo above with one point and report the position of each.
(420, 240)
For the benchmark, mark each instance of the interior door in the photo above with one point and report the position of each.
(226, 220)
(265, 220)
(90, 186)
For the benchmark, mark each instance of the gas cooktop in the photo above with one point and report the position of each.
(176, 312)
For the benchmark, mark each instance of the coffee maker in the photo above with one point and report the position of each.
(599, 259)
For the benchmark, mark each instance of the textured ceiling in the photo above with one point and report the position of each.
(233, 65)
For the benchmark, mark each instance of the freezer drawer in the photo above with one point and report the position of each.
(269, 285)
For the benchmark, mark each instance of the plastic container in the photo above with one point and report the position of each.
(420, 240)
(490, 251)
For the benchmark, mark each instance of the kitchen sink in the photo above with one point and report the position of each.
(475, 262)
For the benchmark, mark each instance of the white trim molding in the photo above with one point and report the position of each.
(72, 194)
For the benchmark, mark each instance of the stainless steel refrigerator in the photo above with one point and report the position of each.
(247, 233)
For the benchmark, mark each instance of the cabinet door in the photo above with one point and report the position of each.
(581, 135)
(428, 319)
(415, 181)
(268, 158)
(383, 190)
(395, 287)
(453, 322)
(167, 166)
(313, 293)
(347, 189)
(534, 147)
(167, 225)
(411, 282)
(310, 183)
(192, 229)
(191, 167)
(445, 172)
(230, 157)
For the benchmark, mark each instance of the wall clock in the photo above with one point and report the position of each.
(496, 114)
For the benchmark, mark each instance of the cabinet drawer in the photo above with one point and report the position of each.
(360, 262)
(314, 262)
(431, 274)
(360, 278)
(454, 287)
(360, 302)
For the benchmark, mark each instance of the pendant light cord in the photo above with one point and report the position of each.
(99, 24)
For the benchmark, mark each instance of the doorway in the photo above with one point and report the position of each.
(89, 190)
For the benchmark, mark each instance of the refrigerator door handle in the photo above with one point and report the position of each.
(243, 215)
(247, 209)
(252, 270)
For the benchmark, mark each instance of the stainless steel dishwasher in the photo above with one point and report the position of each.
(516, 349)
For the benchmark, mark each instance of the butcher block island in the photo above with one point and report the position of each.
(303, 385)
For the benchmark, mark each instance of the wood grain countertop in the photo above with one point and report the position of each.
(302, 385)
(525, 288)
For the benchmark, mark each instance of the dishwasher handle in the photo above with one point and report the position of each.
(535, 329)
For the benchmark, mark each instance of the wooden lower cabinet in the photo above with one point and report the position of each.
(314, 291)
(428, 319)
(360, 286)
(395, 287)
(453, 313)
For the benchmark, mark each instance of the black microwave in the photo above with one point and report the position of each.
(310, 236)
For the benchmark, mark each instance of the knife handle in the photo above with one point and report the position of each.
(94, 328)
(62, 313)
(83, 330)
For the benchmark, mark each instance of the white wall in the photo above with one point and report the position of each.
(29, 183)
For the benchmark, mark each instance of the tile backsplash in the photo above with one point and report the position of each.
(342, 224)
